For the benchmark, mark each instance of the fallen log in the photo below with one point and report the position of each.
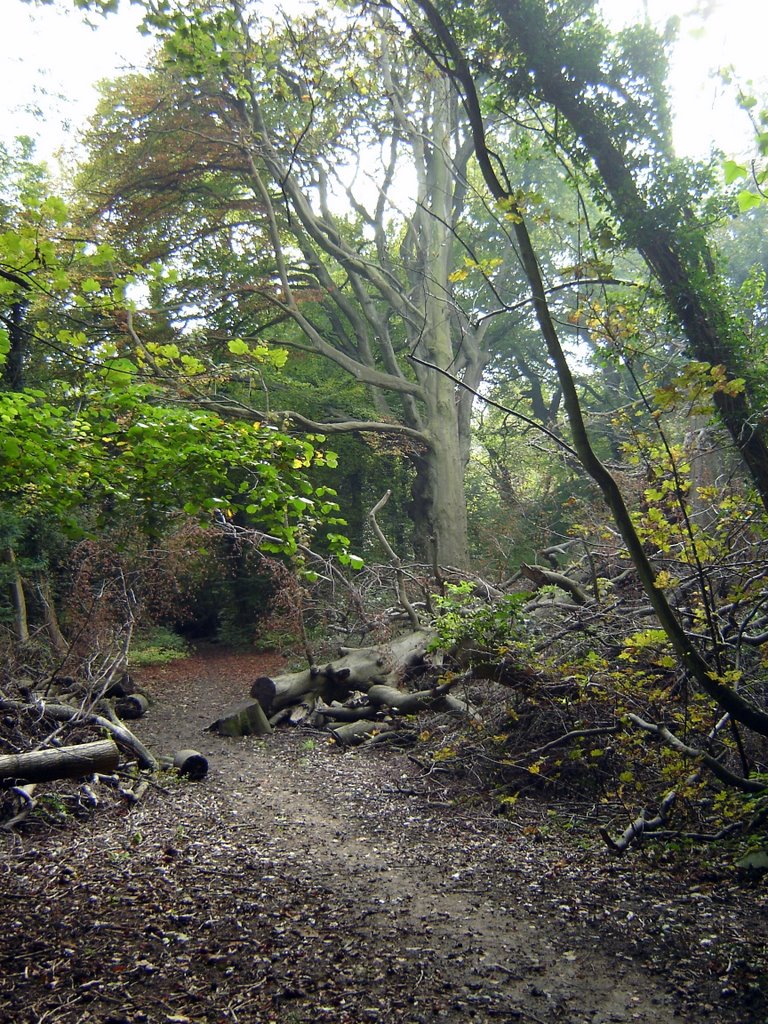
(352, 733)
(61, 762)
(546, 578)
(355, 669)
(410, 703)
(131, 706)
(275, 694)
(190, 763)
(341, 713)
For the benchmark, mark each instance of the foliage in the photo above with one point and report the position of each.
(98, 431)
(157, 646)
(599, 243)
(480, 630)
(751, 177)
(108, 434)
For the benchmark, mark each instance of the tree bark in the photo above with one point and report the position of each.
(61, 762)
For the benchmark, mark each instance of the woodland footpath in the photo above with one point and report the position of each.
(299, 881)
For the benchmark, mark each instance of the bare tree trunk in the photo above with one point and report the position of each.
(20, 622)
(57, 638)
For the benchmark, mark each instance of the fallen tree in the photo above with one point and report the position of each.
(360, 686)
(357, 668)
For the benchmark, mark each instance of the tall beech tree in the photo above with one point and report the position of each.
(330, 194)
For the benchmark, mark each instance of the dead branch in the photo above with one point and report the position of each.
(395, 561)
(643, 824)
(546, 577)
(26, 801)
(575, 734)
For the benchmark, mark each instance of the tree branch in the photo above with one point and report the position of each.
(232, 407)
(696, 754)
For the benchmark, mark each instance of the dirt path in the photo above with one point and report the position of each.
(300, 883)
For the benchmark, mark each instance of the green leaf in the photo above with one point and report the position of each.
(733, 171)
(55, 208)
(10, 448)
(119, 372)
(238, 347)
(748, 201)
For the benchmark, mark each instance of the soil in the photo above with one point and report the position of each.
(299, 882)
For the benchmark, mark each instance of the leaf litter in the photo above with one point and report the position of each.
(301, 883)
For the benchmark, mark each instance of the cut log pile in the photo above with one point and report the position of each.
(121, 761)
(365, 692)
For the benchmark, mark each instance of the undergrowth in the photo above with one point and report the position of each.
(157, 646)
